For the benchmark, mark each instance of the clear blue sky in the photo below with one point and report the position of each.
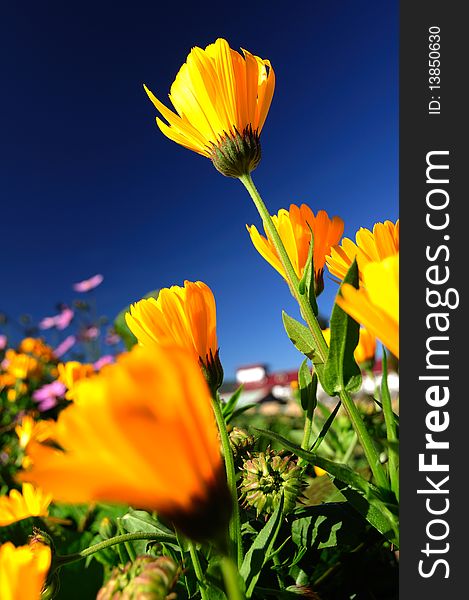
(89, 184)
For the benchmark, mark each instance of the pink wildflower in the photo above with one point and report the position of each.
(48, 394)
(65, 346)
(88, 284)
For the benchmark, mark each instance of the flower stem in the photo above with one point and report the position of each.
(235, 523)
(231, 579)
(391, 430)
(306, 310)
(198, 570)
(320, 344)
(308, 427)
(59, 561)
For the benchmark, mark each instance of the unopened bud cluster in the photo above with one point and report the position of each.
(241, 443)
(266, 476)
(147, 578)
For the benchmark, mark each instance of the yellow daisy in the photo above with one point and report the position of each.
(221, 100)
(370, 246)
(32, 502)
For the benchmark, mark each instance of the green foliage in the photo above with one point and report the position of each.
(260, 551)
(341, 372)
(308, 387)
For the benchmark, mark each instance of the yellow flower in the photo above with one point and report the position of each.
(20, 365)
(366, 348)
(23, 571)
(180, 316)
(32, 502)
(369, 247)
(142, 432)
(319, 472)
(71, 372)
(221, 100)
(29, 430)
(294, 227)
(376, 304)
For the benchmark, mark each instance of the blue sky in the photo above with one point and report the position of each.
(89, 184)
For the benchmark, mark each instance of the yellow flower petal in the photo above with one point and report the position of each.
(294, 228)
(184, 317)
(23, 571)
(373, 246)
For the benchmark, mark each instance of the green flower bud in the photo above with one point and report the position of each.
(147, 578)
(241, 442)
(212, 370)
(266, 475)
(237, 154)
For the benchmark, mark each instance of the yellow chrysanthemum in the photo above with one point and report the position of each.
(32, 502)
(366, 347)
(71, 372)
(221, 100)
(23, 571)
(294, 227)
(142, 432)
(180, 316)
(376, 304)
(373, 246)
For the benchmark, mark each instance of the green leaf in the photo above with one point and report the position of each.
(381, 516)
(140, 520)
(327, 525)
(326, 427)
(308, 387)
(300, 335)
(229, 407)
(261, 549)
(307, 282)
(341, 372)
(121, 327)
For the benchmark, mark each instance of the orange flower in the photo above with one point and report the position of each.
(36, 347)
(32, 502)
(142, 432)
(221, 99)
(366, 347)
(23, 571)
(295, 227)
(369, 247)
(180, 316)
(71, 372)
(376, 304)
